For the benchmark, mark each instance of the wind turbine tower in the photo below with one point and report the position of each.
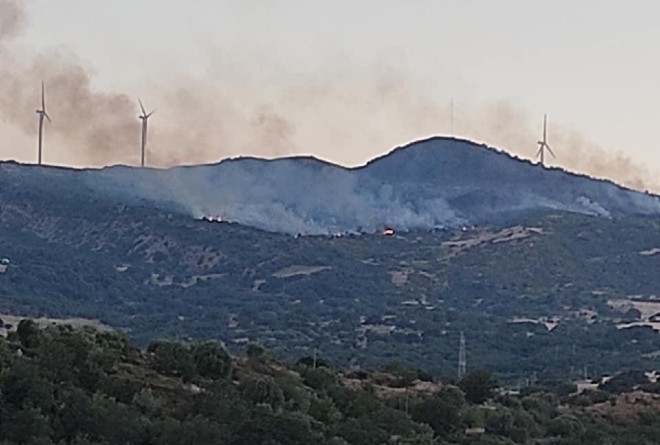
(462, 357)
(543, 144)
(42, 114)
(144, 117)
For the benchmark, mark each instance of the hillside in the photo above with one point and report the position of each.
(436, 183)
(535, 291)
(62, 385)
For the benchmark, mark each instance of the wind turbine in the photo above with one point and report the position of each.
(42, 114)
(543, 145)
(144, 117)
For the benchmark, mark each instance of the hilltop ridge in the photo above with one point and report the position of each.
(433, 183)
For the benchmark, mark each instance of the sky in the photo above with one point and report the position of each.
(342, 80)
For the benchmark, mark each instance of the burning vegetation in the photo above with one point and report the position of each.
(388, 231)
(212, 219)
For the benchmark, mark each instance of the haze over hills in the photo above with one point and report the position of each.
(555, 261)
(434, 183)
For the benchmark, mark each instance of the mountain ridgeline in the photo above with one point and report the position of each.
(435, 183)
(549, 272)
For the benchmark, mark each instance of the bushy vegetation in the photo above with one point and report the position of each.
(60, 385)
(376, 299)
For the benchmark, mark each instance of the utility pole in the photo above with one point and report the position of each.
(462, 357)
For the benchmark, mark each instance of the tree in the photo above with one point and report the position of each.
(478, 386)
(25, 426)
(324, 410)
(313, 362)
(23, 386)
(565, 426)
(362, 431)
(440, 411)
(28, 333)
(256, 352)
(405, 375)
(6, 355)
(172, 358)
(263, 391)
(212, 360)
(320, 378)
(625, 381)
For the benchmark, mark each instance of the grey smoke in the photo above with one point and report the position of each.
(247, 105)
(12, 18)
(429, 184)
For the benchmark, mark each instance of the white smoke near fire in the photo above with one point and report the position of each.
(293, 196)
(432, 184)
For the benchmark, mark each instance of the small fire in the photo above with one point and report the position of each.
(388, 231)
(213, 219)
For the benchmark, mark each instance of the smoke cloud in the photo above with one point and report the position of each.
(585, 156)
(12, 19)
(253, 106)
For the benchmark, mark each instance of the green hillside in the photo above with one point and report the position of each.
(59, 385)
(544, 293)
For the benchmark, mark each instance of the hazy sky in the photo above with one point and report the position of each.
(593, 66)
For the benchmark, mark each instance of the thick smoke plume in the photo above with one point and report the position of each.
(251, 105)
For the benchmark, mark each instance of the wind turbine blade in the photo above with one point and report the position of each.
(545, 127)
(538, 153)
(48, 117)
(144, 112)
(550, 150)
(149, 115)
(43, 97)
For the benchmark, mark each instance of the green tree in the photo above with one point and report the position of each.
(405, 376)
(24, 425)
(212, 360)
(625, 381)
(324, 410)
(478, 386)
(28, 333)
(173, 359)
(362, 431)
(313, 362)
(24, 386)
(319, 379)
(566, 426)
(440, 411)
(262, 391)
(256, 352)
